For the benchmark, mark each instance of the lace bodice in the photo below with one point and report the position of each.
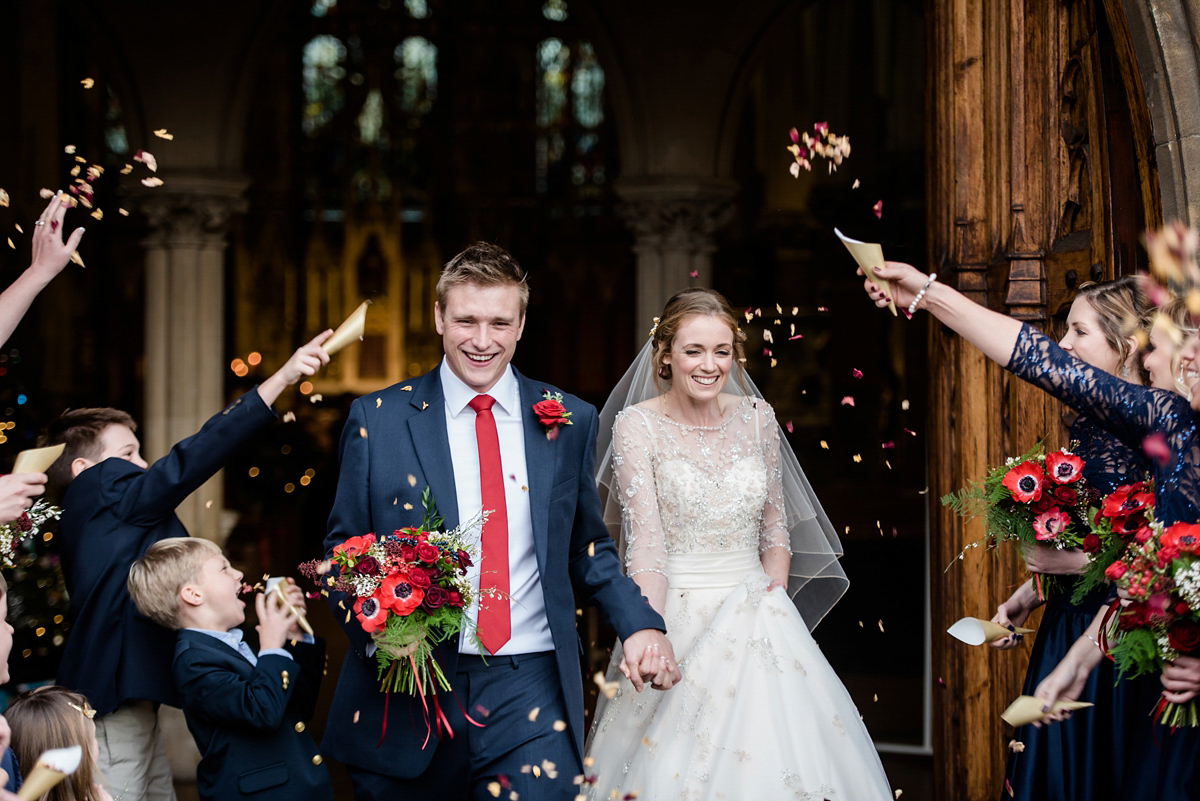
(694, 489)
(1130, 412)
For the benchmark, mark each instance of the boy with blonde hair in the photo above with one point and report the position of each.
(247, 712)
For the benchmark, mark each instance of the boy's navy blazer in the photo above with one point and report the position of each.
(393, 446)
(113, 512)
(248, 721)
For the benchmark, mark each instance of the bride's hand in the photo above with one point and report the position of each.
(647, 654)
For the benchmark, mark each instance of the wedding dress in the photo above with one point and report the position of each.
(759, 714)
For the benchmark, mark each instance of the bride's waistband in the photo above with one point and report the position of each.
(707, 570)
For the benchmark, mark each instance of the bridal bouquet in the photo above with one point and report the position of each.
(23, 529)
(1035, 499)
(409, 591)
(1160, 571)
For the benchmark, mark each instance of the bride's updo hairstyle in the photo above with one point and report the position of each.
(690, 303)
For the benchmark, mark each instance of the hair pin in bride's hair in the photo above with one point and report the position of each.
(654, 328)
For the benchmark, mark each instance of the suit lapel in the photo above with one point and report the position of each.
(427, 427)
(540, 463)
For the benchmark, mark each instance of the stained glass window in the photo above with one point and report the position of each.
(370, 119)
(324, 60)
(555, 10)
(417, 9)
(114, 125)
(321, 7)
(416, 74)
(570, 112)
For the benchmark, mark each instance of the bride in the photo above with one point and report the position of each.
(721, 531)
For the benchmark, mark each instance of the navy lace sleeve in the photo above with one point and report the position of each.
(1129, 412)
(1108, 462)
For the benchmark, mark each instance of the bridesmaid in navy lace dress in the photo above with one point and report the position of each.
(1131, 413)
(1078, 760)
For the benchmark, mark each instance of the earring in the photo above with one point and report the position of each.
(664, 372)
(1125, 370)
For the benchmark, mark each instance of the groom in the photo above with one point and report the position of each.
(467, 430)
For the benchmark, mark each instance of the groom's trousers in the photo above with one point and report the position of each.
(518, 700)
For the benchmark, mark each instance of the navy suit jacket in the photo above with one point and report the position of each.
(400, 432)
(249, 722)
(113, 512)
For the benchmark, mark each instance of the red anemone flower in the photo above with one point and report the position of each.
(399, 595)
(355, 545)
(1064, 467)
(371, 613)
(1025, 482)
(1049, 525)
(1127, 500)
(1184, 536)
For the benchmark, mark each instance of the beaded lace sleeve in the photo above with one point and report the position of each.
(633, 462)
(774, 531)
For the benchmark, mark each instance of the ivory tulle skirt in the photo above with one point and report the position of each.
(760, 713)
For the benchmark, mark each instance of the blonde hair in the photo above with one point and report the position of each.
(155, 580)
(1121, 310)
(1175, 313)
(691, 303)
(482, 264)
(55, 717)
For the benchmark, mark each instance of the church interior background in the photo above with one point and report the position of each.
(329, 151)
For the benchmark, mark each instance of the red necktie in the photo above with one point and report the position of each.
(495, 626)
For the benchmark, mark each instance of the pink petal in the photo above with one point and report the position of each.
(794, 169)
(878, 209)
(848, 400)
(1156, 448)
(889, 445)
(795, 136)
(798, 336)
(694, 273)
(821, 127)
(788, 426)
(857, 373)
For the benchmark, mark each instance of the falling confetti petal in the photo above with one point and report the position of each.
(878, 209)
(412, 480)
(161, 133)
(694, 274)
(824, 444)
(378, 402)
(10, 243)
(789, 426)
(3, 198)
(289, 417)
(533, 713)
(1156, 448)
(856, 372)
(857, 184)
(20, 230)
(857, 457)
(362, 432)
(356, 713)
(904, 405)
(147, 159)
(848, 400)
(122, 212)
(152, 181)
(128, 168)
(87, 83)
(1016, 746)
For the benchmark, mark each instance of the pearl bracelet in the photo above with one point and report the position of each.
(912, 307)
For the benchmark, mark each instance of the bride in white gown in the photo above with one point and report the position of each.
(721, 531)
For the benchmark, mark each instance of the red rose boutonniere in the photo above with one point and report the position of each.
(551, 413)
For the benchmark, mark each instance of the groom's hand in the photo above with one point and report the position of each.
(647, 654)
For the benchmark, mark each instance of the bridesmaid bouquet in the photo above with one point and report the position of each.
(1122, 519)
(1035, 499)
(23, 529)
(1160, 571)
(409, 591)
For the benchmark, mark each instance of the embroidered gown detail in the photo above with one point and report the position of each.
(759, 713)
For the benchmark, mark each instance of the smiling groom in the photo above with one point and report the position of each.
(468, 431)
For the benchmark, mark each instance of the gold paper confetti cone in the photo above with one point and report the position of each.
(276, 584)
(1027, 709)
(976, 631)
(349, 331)
(37, 460)
(868, 255)
(52, 767)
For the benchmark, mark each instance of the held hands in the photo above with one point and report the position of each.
(648, 655)
(50, 253)
(1181, 679)
(906, 280)
(307, 360)
(275, 621)
(17, 493)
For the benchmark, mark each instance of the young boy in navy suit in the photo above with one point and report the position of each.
(114, 508)
(246, 712)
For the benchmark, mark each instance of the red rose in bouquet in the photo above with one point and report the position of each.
(1184, 636)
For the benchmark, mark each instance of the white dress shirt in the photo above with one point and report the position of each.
(527, 607)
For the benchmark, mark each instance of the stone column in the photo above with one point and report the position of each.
(675, 221)
(185, 320)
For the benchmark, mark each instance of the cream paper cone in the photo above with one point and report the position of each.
(52, 767)
(976, 631)
(349, 331)
(276, 584)
(868, 255)
(37, 460)
(1027, 709)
